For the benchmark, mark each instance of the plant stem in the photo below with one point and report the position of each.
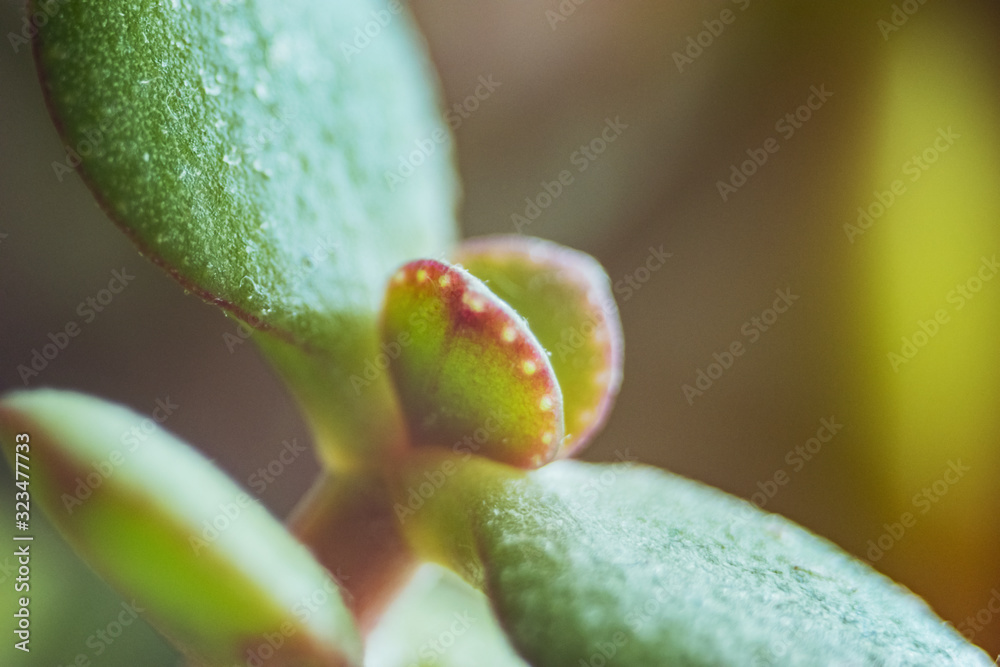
(348, 523)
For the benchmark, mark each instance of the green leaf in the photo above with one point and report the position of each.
(469, 372)
(438, 620)
(254, 151)
(629, 565)
(565, 296)
(196, 556)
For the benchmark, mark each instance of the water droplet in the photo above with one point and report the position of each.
(232, 158)
(259, 167)
(211, 86)
(145, 157)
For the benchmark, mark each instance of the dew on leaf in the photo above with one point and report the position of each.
(259, 167)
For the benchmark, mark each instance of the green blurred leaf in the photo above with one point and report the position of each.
(625, 565)
(194, 555)
(70, 606)
(254, 151)
(438, 620)
(469, 372)
(565, 296)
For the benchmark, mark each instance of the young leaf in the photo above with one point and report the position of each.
(565, 296)
(469, 372)
(206, 565)
(254, 150)
(631, 566)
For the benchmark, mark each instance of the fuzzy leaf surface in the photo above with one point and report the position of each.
(638, 567)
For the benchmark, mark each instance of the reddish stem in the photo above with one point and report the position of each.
(349, 525)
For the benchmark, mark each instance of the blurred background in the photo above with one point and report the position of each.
(846, 155)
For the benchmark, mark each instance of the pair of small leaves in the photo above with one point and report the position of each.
(474, 370)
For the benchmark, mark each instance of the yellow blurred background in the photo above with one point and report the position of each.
(845, 155)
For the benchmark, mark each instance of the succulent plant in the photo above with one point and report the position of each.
(448, 384)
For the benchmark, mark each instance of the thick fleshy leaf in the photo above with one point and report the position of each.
(627, 565)
(469, 373)
(566, 297)
(202, 561)
(253, 149)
